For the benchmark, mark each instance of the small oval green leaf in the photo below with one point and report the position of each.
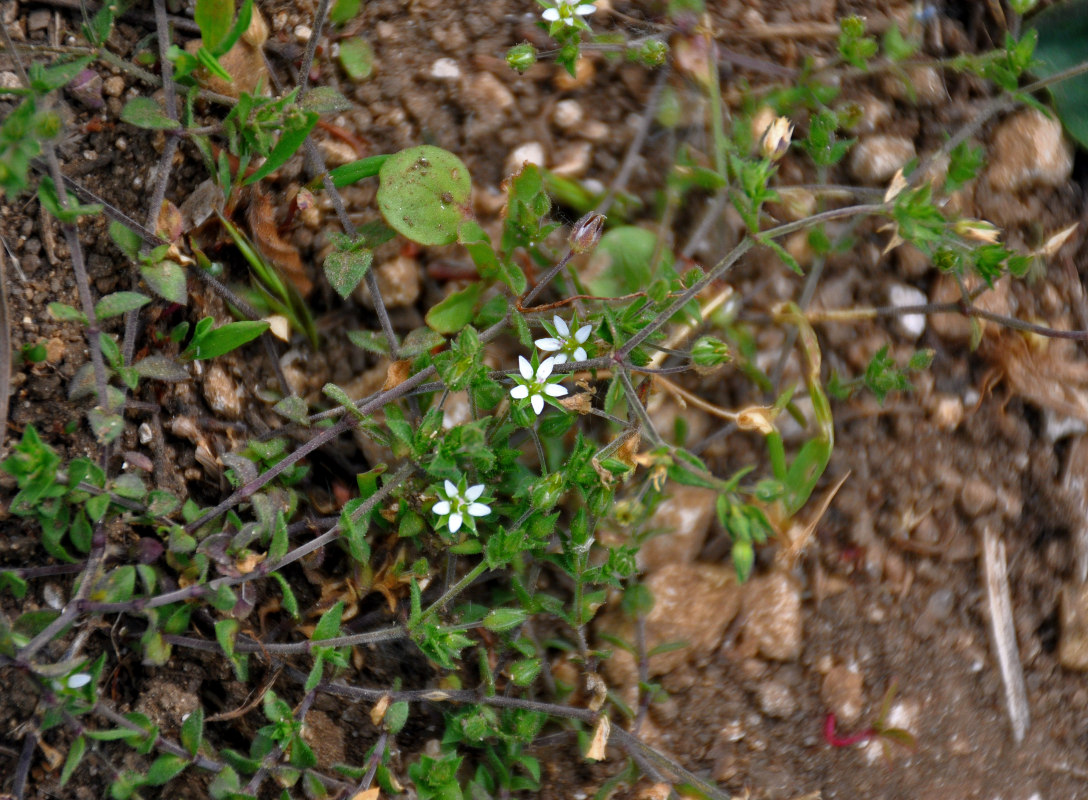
(424, 194)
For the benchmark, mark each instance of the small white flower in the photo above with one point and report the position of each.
(79, 680)
(564, 344)
(568, 11)
(535, 385)
(459, 504)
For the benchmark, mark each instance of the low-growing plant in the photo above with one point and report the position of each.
(459, 522)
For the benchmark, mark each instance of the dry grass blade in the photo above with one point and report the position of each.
(1003, 632)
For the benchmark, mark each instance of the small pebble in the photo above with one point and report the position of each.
(875, 159)
(680, 523)
(776, 699)
(445, 69)
(772, 610)
(113, 86)
(1073, 626)
(977, 497)
(1029, 150)
(899, 295)
(222, 393)
(568, 114)
(9, 80)
(842, 691)
(531, 152)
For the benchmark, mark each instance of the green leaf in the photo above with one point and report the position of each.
(118, 303)
(165, 768)
(128, 240)
(192, 731)
(424, 194)
(75, 754)
(223, 339)
(329, 625)
(357, 58)
(213, 17)
(344, 270)
(395, 717)
(167, 280)
(324, 100)
(143, 112)
(344, 10)
(629, 253)
(340, 397)
(1063, 43)
(118, 585)
(293, 408)
(106, 427)
(160, 368)
(524, 671)
(50, 200)
(504, 619)
(65, 313)
(347, 174)
(455, 312)
(296, 128)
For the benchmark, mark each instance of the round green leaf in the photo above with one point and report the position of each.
(424, 194)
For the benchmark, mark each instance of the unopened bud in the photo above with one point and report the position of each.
(586, 232)
(977, 230)
(776, 139)
(521, 56)
(709, 352)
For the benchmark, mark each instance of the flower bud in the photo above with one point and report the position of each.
(776, 139)
(586, 232)
(653, 53)
(521, 56)
(709, 352)
(977, 230)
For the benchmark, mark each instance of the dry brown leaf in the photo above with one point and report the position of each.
(599, 745)
(367, 794)
(244, 62)
(1037, 376)
(398, 373)
(377, 714)
(280, 253)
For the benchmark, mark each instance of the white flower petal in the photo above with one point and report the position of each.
(550, 14)
(580, 354)
(545, 368)
(559, 358)
(473, 492)
(549, 345)
(455, 522)
(519, 392)
(441, 508)
(555, 390)
(479, 510)
(525, 368)
(584, 10)
(583, 333)
(561, 326)
(538, 404)
(79, 680)
(451, 490)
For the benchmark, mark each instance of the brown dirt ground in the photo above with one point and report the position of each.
(891, 584)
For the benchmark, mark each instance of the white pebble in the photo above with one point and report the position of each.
(303, 33)
(445, 69)
(531, 152)
(567, 114)
(900, 295)
(876, 158)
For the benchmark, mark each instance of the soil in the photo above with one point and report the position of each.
(891, 588)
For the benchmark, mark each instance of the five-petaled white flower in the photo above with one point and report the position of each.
(564, 344)
(536, 385)
(568, 11)
(459, 504)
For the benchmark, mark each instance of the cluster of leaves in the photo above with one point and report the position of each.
(538, 512)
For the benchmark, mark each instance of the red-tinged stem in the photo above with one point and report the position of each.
(844, 741)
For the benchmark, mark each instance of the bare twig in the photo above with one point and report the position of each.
(5, 349)
(1003, 632)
